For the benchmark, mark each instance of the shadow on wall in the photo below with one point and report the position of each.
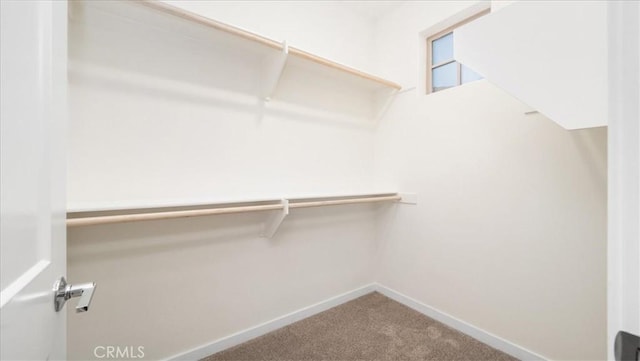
(136, 239)
(109, 51)
(594, 156)
(302, 105)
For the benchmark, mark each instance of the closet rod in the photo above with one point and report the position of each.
(134, 217)
(189, 16)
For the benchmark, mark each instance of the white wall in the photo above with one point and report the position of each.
(175, 285)
(154, 118)
(510, 231)
(497, 5)
(141, 94)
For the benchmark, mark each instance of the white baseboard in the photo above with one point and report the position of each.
(259, 330)
(479, 334)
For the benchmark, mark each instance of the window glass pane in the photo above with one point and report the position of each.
(444, 76)
(468, 75)
(442, 49)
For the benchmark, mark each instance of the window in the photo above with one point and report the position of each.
(443, 71)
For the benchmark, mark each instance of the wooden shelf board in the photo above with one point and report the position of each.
(190, 16)
(332, 64)
(187, 15)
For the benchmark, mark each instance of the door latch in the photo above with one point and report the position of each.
(627, 347)
(63, 291)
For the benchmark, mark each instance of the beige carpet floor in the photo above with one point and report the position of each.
(372, 327)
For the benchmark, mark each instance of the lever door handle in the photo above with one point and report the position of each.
(64, 291)
(85, 292)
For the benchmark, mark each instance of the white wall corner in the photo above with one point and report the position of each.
(479, 334)
(277, 323)
(497, 5)
(237, 338)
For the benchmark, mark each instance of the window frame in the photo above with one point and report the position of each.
(433, 37)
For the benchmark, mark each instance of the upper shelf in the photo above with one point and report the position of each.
(175, 11)
(152, 38)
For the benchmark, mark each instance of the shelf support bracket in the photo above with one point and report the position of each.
(386, 101)
(273, 72)
(274, 222)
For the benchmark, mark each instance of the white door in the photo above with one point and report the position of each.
(624, 178)
(33, 166)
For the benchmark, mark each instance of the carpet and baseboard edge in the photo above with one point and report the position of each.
(266, 327)
(479, 334)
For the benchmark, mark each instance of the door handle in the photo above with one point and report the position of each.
(64, 291)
